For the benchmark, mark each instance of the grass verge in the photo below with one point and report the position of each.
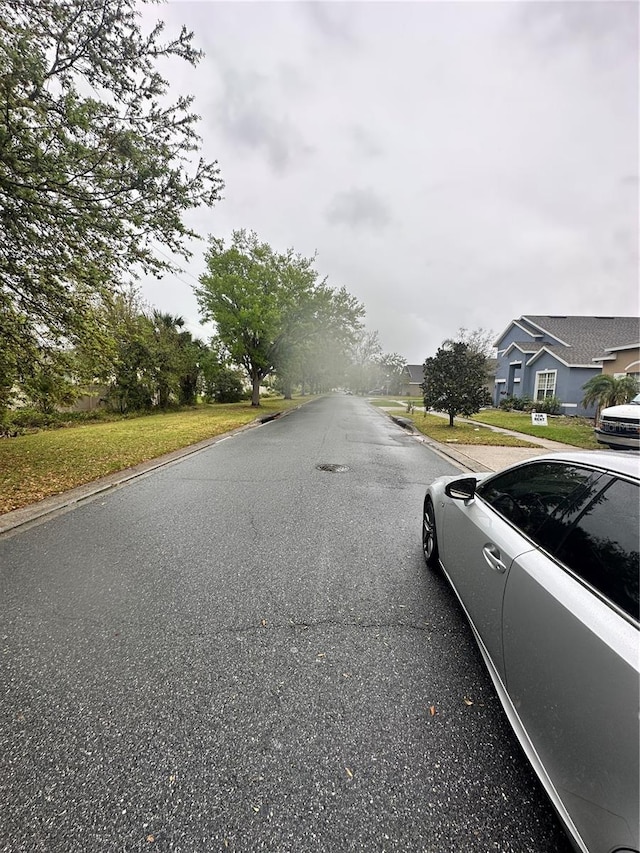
(578, 432)
(36, 466)
(438, 429)
(575, 431)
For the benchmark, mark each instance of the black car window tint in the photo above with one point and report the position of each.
(528, 496)
(602, 545)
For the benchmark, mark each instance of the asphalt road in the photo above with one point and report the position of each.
(241, 651)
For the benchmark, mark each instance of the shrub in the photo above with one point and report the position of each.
(517, 404)
(227, 386)
(20, 421)
(549, 406)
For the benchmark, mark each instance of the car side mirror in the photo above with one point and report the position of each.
(461, 490)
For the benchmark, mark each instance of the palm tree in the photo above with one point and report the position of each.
(606, 390)
(166, 355)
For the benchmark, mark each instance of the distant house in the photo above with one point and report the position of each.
(412, 377)
(550, 356)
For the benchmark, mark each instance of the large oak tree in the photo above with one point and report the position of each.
(269, 308)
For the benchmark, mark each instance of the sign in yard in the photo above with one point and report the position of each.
(539, 419)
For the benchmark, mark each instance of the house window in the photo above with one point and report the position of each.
(546, 384)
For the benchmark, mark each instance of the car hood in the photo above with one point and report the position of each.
(629, 410)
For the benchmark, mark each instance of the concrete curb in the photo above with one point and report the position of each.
(467, 463)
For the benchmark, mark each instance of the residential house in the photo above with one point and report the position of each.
(412, 378)
(621, 360)
(554, 356)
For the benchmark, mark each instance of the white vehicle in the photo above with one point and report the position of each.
(619, 426)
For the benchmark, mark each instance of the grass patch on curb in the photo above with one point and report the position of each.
(36, 466)
(438, 429)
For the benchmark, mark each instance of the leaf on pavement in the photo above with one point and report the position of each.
(432, 710)
(467, 701)
(349, 773)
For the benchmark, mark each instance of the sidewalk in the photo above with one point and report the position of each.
(488, 457)
(484, 457)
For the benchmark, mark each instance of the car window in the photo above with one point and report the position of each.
(529, 495)
(602, 545)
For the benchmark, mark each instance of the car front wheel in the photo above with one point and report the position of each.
(429, 537)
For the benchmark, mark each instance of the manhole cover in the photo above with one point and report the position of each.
(330, 466)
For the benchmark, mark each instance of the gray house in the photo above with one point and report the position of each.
(547, 356)
(412, 377)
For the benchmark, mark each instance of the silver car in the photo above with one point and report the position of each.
(544, 559)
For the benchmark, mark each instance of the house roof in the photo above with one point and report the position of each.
(577, 340)
(416, 372)
(609, 353)
(524, 347)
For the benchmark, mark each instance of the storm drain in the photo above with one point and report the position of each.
(332, 467)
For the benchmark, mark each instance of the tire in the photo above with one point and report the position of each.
(429, 537)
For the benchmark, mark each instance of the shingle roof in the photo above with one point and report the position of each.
(416, 372)
(525, 346)
(585, 337)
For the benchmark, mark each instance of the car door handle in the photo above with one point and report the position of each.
(492, 556)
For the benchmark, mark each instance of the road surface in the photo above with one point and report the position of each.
(243, 651)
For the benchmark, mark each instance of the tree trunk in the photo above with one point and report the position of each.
(255, 394)
(451, 417)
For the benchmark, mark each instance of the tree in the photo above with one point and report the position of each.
(392, 366)
(454, 380)
(47, 383)
(126, 369)
(190, 379)
(267, 306)
(478, 340)
(95, 164)
(365, 354)
(166, 356)
(227, 385)
(321, 358)
(606, 390)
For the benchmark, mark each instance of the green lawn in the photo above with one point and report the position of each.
(438, 429)
(575, 431)
(48, 462)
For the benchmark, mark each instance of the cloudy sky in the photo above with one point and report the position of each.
(452, 164)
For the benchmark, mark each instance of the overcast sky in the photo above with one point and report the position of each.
(452, 163)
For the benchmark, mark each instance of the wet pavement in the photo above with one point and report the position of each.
(479, 457)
